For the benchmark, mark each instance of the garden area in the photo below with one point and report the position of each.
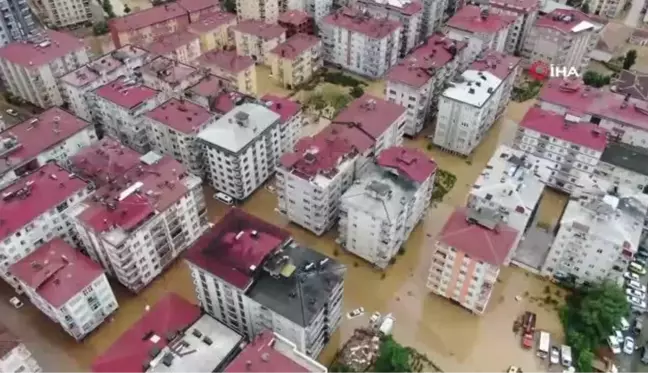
(443, 183)
(526, 91)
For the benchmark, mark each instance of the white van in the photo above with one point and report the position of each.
(613, 342)
(625, 325)
(544, 344)
(224, 198)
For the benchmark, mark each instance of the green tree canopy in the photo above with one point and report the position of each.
(594, 79)
(356, 92)
(127, 9)
(229, 6)
(393, 357)
(629, 59)
(585, 7)
(100, 28)
(590, 316)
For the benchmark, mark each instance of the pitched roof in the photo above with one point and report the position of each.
(356, 21)
(633, 83)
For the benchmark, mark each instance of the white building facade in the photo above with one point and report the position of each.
(15, 357)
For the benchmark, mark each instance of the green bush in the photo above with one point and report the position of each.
(356, 92)
(339, 78)
(594, 79)
(100, 28)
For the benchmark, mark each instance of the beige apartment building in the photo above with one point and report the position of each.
(256, 39)
(265, 10)
(215, 30)
(61, 13)
(227, 65)
(294, 61)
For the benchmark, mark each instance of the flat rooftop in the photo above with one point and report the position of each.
(227, 60)
(294, 17)
(212, 22)
(374, 115)
(109, 62)
(356, 21)
(126, 92)
(236, 247)
(295, 46)
(227, 100)
(26, 140)
(173, 336)
(148, 17)
(104, 161)
(34, 194)
(285, 107)
(406, 7)
(41, 50)
(567, 21)
(260, 29)
(297, 282)
(181, 115)
(209, 86)
(474, 87)
(238, 128)
(472, 19)
(56, 271)
(499, 64)
(170, 43)
(631, 158)
(410, 163)
(168, 71)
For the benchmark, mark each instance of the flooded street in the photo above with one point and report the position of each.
(449, 335)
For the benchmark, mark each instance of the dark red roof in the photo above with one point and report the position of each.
(412, 163)
(499, 64)
(236, 247)
(170, 43)
(38, 134)
(490, 246)
(225, 60)
(212, 22)
(131, 350)
(104, 161)
(225, 101)
(469, 19)
(148, 17)
(199, 5)
(294, 17)
(260, 29)
(8, 341)
(294, 46)
(285, 107)
(418, 67)
(209, 86)
(356, 21)
(119, 93)
(260, 356)
(56, 271)
(568, 93)
(517, 6)
(557, 20)
(32, 55)
(183, 116)
(583, 133)
(373, 114)
(35, 194)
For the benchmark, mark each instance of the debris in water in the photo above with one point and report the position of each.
(518, 298)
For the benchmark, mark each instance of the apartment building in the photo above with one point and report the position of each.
(172, 130)
(573, 148)
(241, 149)
(120, 108)
(291, 118)
(408, 13)
(181, 46)
(564, 37)
(139, 223)
(625, 118)
(607, 8)
(318, 9)
(67, 286)
(482, 29)
(14, 355)
(172, 336)
(239, 71)
(214, 31)
(33, 211)
(380, 210)
(433, 17)
(474, 101)
(171, 77)
(468, 254)
(312, 179)
(145, 26)
(17, 22)
(417, 81)
(208, 91)
(76, 86)
(525, 13)
(296, 22)
(57, 14)
(54, 134)
(359, 42)
(251, 276)
(271, 348)
(623, 165)
(266, 11)
(296, 60)
(509, 191)
(597, 238)
(30, 69)
(256, 39)
(104, 161)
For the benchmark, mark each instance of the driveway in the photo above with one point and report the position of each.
(634, 15)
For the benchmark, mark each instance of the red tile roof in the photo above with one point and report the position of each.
(8, 341)
(640, 33)
(407, 8)
(31, 55)
(56, 271)
(236, 247)
(199, 5)
(418, 67)
(355, 21)
(409, 162)
(120, 93)
(181, 115)
(34, 194)
(226, 60)
(555, 125)
(209, 86)
(161, 187)
(260, 29)
(131, 350)
(286, 108)
(490, 246)
(518, 6)
(36, 135)
(104, 161)
(373, 114)
(294, 17)
(226, 100)
(170, 43)
(499, 64)
(169, 71)
(614, 107)
(260, 356)
(469, 18)
(148, 17)
(294, 46)
(212, 22)
(563, 20)
(568, 93)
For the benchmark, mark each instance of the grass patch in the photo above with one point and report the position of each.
(443, 183)
(526, 91)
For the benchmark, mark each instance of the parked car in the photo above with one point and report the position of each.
(17, 303)
(355, 313)
(554, 356)
(618, 335)
(374, 318)
(12, 112)
(613, 342)
(638, 325)
(637, 268)
(640, 259)
(632, 276)
(628, 345)
(513, 369)
(226, 199)
(636, 302)
(636, 285)
(625, 325)
(635, 293)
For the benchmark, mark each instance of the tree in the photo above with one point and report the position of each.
(100, 28)
(629, 59)
(594, 79)
(392, 357)
(108, 8)
(585, 7)
(356, 92)
(590, 315)
(229, 6)
(127, 9)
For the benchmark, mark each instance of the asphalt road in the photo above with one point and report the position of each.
(632, 363)
(23, 113)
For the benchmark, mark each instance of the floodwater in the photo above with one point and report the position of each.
(450, 336)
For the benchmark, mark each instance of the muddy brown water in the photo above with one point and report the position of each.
(449, 335)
